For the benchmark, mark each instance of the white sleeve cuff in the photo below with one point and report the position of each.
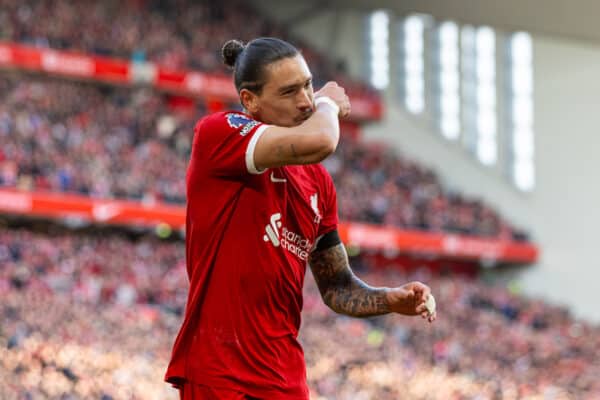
(328, 101)
(250, 150)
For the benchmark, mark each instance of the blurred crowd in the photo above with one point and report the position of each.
(98, 269)
(87, 315)
(94, 315)
(178, 34)
(53, 347)
(374, 184)
(134, 143)
(93, 140)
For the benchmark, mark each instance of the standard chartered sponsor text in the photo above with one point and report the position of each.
(295, 244)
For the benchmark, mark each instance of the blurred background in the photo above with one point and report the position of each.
(468, 163)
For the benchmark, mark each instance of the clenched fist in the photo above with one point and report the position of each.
(338, 94)
(409, 299)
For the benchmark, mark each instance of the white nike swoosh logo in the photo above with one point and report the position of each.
(277, 180)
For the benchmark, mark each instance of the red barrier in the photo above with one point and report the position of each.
(69, 64)
(57, 205)
(103, 69)
(437, 244)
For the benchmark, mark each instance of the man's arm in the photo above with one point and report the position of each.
(346, 294)
(310, 142)
(341, 290)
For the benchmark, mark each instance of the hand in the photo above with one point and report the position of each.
(338, 94)
(409, 299)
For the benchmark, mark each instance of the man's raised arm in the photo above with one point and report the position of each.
(310, 142)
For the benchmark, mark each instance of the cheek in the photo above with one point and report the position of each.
(285, 104)
(283, 108)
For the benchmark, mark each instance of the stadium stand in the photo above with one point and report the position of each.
(79, 323)
(377, 185)
(96, 140)
(175, 35)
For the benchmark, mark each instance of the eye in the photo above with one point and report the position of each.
(308, 84)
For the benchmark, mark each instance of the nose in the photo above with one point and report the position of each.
(305, 102)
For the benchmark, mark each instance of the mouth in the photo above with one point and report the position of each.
(303, 117)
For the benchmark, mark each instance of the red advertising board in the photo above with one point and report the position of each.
(105, 211)
(103, 69)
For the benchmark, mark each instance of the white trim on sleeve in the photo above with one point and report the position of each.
(329, 101)
(250, 150)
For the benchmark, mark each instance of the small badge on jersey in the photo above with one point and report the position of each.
(238, 120)
(314, 204)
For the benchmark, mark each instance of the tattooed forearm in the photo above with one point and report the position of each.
(341, 290)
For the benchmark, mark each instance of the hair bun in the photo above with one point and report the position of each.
(230, 51)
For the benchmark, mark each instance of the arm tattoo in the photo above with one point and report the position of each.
(341, 290)
(283, 153)
(280, 152)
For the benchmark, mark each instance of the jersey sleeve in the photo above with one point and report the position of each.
(329, 220)
(226, 142)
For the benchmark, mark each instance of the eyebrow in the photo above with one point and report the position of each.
(295, 85)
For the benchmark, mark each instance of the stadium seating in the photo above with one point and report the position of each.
(63, 136)
(134, 143)
(184, 35)
(180, 35)
(80, 323)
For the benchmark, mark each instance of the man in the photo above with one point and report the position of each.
(259, 208)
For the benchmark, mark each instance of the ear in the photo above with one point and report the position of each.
(249, 101)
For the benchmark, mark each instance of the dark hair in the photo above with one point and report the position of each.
(249, 61)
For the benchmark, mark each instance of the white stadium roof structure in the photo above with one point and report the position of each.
(575, 19)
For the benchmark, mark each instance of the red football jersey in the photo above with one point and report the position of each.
(248, 237)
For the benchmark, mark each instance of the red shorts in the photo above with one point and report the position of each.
(192, 391)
